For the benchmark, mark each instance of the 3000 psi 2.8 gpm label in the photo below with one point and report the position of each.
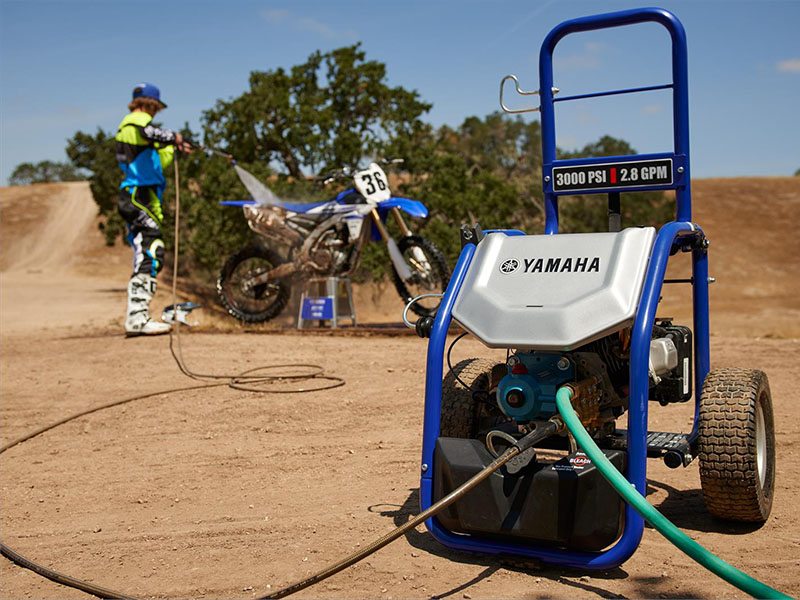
(641, 173)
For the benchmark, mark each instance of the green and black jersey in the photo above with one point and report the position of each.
(144, 152)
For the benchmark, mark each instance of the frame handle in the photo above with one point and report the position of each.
(521, 92)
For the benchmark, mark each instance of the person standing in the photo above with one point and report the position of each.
(144, 152)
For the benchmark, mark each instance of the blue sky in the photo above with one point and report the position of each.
(70, 65)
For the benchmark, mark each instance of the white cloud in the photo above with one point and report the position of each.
(315, 26)
(589, 58)
(539, 9)
(790, 65)
(585, 116)
(595, 47)
(72, 111)
(567, 141)
(68, 117)
(276, 16)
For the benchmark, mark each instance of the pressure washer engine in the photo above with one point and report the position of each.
(577, 316)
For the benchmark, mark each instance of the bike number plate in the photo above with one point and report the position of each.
(373, 184)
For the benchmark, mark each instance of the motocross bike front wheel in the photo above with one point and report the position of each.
(248, 302)
(429, 274)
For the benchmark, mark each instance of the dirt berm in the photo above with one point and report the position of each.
(219, 493)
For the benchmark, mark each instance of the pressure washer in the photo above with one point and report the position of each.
(579, 312)
(524, 458)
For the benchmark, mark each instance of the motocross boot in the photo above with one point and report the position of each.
(141, 289)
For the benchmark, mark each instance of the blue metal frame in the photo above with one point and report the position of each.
(675, 236)
(680, 103)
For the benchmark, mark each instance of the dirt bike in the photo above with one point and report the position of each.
(325, 239)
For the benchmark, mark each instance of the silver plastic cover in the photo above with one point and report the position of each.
(553, 292)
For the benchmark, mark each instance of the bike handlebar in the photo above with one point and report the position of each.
(347, 172)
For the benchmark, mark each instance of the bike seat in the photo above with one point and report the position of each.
(349, 196)
(303, 207)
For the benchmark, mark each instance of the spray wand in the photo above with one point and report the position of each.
(209, 150)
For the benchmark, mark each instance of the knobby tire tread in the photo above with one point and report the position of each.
(727, 445)
(458, 414)
(439, 264)
(252, 251)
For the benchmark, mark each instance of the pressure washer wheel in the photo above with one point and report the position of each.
(736, 443)
(466, 412)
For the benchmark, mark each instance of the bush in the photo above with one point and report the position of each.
(45, 171)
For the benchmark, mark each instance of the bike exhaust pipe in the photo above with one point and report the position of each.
(288, 269)
(280, 272)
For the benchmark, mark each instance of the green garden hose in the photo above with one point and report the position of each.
(623, 487)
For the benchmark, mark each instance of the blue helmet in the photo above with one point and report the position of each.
(148, 90)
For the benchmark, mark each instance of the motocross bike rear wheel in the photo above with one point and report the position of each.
(252, 303)
(429, 274)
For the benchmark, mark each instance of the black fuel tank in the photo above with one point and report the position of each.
(566, 503)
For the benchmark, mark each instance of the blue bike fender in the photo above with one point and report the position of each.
(415, 208)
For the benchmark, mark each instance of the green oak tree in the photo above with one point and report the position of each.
(328, 112)
(95, 154)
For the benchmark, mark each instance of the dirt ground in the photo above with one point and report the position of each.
(220, 493)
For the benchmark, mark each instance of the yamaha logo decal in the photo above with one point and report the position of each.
(509, 266)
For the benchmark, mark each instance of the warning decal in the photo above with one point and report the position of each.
(641, 173)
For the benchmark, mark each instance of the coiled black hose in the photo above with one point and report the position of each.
(252, 380)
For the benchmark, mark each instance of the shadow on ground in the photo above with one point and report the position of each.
(648, 586)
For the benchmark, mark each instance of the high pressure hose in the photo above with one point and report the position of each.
(52, 574)
(683, 542)
(252, 380)
(538, 434)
